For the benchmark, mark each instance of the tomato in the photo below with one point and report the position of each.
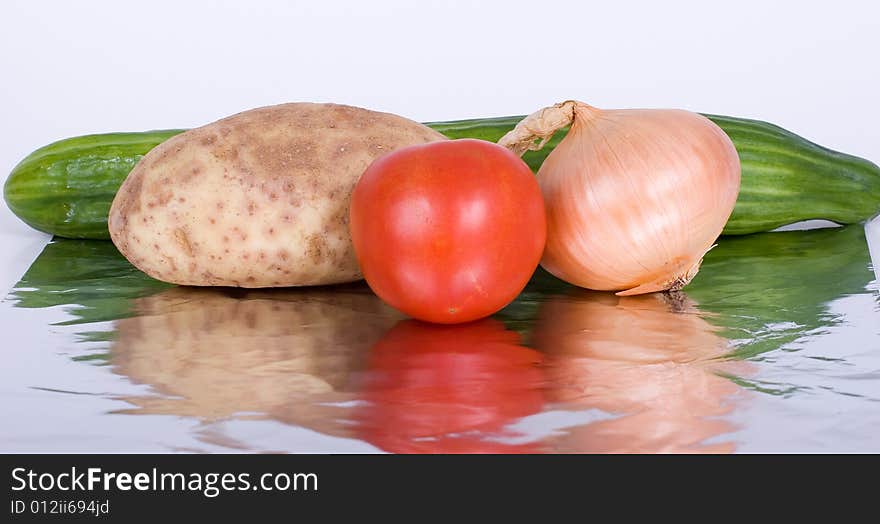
(444, 389)
(449, 231)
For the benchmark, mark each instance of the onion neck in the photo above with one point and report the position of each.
(533, 131)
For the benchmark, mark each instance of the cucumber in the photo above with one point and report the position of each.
(66, 188)
(786, 179)
(492, 129)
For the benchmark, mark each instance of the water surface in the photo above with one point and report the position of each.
(775, 346)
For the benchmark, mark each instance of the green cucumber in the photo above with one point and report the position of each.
(786, 179)
(66, 188)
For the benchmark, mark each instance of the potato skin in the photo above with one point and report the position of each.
(257, 199)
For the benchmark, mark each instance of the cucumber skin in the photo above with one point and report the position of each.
(786, 178)
(66, 187)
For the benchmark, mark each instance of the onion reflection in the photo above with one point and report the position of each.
(449, 389)
(651, 361)
(284, 354)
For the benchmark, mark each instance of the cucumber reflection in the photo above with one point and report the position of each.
(449, 389)
(651, 361)
(213, 354)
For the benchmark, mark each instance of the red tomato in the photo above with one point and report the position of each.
(448, 231)
(445, 389)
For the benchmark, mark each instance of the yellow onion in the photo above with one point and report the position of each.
(634, 197)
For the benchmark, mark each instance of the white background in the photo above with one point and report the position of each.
(71, 68)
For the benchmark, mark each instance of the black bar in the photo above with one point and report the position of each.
(384, 485)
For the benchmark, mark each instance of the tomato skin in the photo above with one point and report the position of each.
(448, 231)
(444, 389)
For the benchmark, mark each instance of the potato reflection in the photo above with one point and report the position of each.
(649, 360)
(214, 353)
(448, 389)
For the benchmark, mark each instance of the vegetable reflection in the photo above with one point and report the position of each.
(280, 354)
(768, 290)
(651, 361)
(194, 348)
(449, 389)
(89, 278)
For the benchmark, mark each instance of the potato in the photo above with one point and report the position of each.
(289, 355)
(258, 199)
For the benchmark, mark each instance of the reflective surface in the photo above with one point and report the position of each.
(775, 346)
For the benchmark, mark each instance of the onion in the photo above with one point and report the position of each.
(634, 198)
(653, 361)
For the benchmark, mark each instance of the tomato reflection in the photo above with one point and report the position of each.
(650, 361)
(449, 389)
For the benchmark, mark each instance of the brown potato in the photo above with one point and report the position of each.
(258, 199)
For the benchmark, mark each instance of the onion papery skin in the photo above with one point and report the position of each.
(636, 197)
